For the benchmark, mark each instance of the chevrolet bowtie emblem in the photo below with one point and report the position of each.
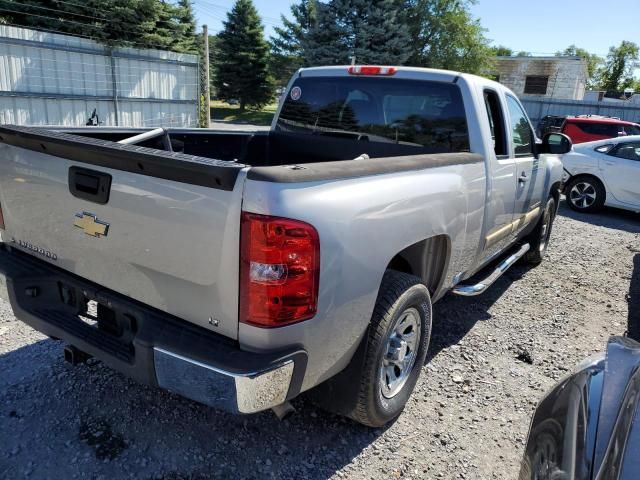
(90, 224)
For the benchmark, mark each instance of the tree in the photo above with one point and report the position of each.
(287, 53)
(326, 42)
(188, 38)
(242, 66)
(501, 51)
(372, 31)
(166, 31)
(445, 35)
(617, 72)
(591, 59)
(523, 53)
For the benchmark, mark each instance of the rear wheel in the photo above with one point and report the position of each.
(396, 349)
(585, 194)
(539, 239)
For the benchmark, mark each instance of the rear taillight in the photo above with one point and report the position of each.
(372, 70)
(1, 218)
(279, 270)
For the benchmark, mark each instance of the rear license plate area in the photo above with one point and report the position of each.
(96, 314)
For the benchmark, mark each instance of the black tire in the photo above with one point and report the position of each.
(538, 239)
(400, 295)
(585, 193)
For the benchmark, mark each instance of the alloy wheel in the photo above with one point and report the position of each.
(583, 195)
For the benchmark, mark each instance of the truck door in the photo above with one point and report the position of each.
(530, 180)
(501, 187)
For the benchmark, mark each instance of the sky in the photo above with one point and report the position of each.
(540, 27)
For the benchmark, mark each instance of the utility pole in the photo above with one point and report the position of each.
(207, 82)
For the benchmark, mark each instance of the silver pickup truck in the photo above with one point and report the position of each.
(240, 269)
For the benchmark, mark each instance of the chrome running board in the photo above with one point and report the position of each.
(481, 287)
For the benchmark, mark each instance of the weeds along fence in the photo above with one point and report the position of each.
(53, 79)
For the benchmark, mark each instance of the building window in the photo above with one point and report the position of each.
(536, 85)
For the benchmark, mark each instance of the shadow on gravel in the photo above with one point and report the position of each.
(633, 324)
(609, 217)
(89, 421)
(455, 316)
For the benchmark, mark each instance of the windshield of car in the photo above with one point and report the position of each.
(426, 115)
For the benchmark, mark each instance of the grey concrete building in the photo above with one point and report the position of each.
(547, 77)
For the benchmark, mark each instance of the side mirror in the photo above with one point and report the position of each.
(557, 143)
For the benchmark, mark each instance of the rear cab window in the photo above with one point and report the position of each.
(419, 116)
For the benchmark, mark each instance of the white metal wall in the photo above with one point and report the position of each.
(52, 79)
(539, 107)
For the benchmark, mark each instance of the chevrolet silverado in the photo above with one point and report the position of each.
(240, 269)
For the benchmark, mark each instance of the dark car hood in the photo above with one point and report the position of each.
(587, 427)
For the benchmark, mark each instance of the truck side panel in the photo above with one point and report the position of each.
(362, 225)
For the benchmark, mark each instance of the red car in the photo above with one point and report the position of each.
(589, 129)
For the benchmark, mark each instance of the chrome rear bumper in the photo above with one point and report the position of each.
(236, 392)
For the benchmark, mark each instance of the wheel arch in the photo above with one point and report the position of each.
(427, 259)
(585, 175)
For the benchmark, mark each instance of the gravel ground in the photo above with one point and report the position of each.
(492, 359)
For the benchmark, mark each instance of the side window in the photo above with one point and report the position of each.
(605, 129)
(628, 151)
(520, 128)
(631, 130)
(496, 122)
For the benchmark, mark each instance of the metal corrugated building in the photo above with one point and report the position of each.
(53, 79)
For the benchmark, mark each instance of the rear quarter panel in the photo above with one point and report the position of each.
(363, 223)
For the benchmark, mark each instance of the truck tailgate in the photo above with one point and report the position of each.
(167, 236)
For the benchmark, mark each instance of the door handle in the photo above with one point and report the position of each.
(610, 163)
(523, 178)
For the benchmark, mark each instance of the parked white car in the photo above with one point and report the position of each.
(606, 172)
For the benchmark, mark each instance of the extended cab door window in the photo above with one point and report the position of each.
(496, 123)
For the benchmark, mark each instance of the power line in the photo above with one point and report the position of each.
(121, 43)
(225, 9)
(79, 6)
(49, 18)
(52, 10)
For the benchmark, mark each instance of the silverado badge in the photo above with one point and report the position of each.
(90, 224)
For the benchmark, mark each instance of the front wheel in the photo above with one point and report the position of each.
(396, 349)
(539, 238)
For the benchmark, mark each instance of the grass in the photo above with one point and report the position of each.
(223, 112)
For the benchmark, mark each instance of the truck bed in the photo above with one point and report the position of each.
(171, 219)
